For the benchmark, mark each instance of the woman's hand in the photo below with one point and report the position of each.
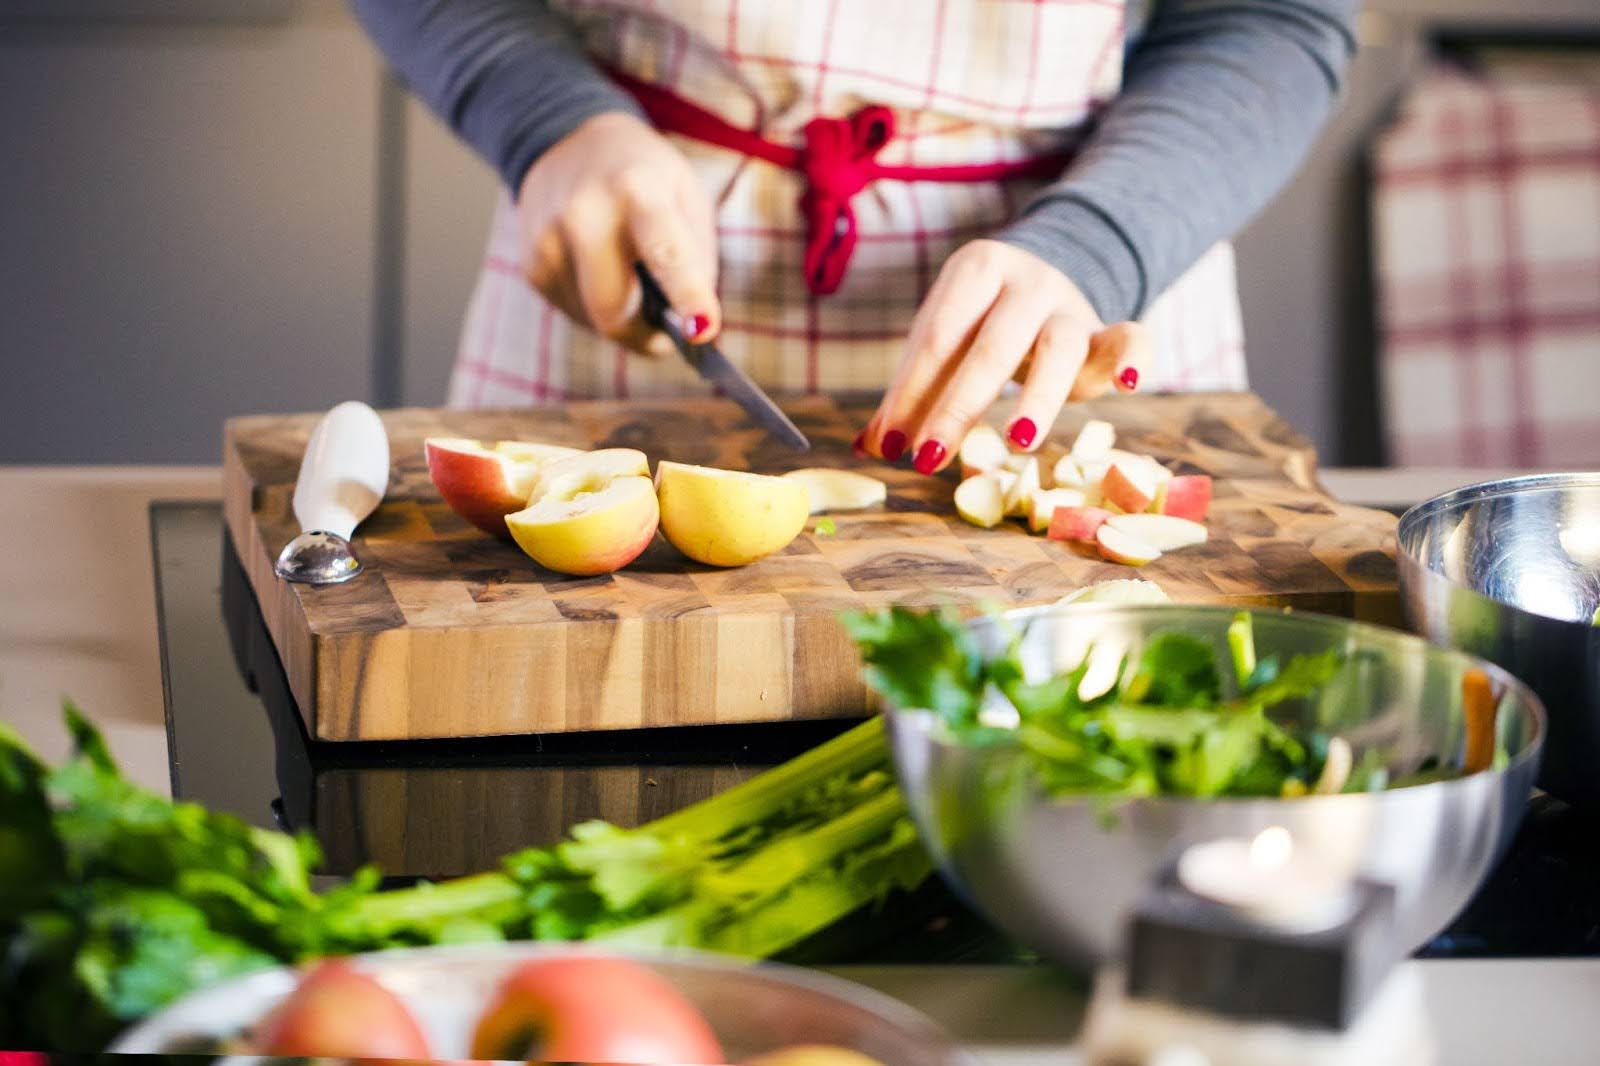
(996, 313)
(609, 194)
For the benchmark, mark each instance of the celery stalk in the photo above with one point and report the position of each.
(1242, 648)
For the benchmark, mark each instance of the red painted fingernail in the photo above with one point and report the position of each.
(859, 445)
(929, 456)
(698, 324)
(1129, 378)
(894, 445)
(1022, 432)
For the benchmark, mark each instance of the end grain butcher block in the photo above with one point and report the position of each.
(450, 632)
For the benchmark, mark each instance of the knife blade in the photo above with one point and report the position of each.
(709, 362)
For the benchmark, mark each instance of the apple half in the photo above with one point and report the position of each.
(729, 517)
(484, 482)
(590, 513)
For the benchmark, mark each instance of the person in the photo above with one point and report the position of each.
(931, 198)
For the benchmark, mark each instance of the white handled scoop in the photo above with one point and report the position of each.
(342, 480)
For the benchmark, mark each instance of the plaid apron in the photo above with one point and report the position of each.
(969, 83)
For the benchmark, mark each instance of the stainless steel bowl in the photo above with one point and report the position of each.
(1061, 874)
(752, 1008)
(1510, 571)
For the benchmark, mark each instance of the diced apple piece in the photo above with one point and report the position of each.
(1042, 505)
(1094, 441)
(1187, 496)
(1130, 487)
(839, 490)
(980, 500)
(982, 450)
(1118, 547)
(1078, 524)
(1067, 474)
(1093, 470)
(1020, 491)
(1166, 532)
(1016, 462)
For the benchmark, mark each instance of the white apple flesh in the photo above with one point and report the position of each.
(590, 513)
(1044, 503)
(980, 501)
(1119, 547)
(1020, 491)
(982, 450)
(839, 490)
(1130, 486)
(1164, 532)
(1094, 441)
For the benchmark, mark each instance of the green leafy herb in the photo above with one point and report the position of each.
(114, 901)
(1170, 727)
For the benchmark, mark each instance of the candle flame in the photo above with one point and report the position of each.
(1271, 849)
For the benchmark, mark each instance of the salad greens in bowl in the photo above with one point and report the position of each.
(1057, 761)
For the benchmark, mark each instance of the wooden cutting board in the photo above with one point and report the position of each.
(450, 632)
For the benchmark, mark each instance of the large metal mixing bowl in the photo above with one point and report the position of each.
(1061, 874)
(1510, 571)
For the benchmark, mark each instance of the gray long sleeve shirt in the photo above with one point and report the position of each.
(1220, 100)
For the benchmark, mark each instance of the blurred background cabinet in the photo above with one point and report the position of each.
(212, 207)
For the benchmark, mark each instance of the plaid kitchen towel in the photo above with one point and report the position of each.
(1486, 220)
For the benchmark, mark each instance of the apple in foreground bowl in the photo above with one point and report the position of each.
(589, 513)
(485, 482)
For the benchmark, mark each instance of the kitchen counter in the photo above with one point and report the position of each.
(78, 618)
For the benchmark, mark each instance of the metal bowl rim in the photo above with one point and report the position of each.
(925, 720)
(1417, 516)
(1486, 490)
(898, 1015)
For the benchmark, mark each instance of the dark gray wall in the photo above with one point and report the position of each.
(212, 207)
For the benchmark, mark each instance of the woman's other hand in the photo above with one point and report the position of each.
(996, 313)
(611, 193)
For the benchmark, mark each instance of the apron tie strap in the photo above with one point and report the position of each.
(838, 160)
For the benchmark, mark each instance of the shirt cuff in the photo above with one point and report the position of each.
(1086, 245)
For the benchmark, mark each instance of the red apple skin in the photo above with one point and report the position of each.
(475, 487)
(339, 1012)
(1120, 490)
(588, 1008)
(1077, 523)
(1188, 496)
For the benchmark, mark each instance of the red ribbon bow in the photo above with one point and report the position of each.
(838, 160)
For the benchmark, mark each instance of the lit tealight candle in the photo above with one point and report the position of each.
(1268, 877)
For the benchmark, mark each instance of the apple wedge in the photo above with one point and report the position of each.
(1164, 532)
(839, 490)
(982, 450)
(1021, 490)
(590, 513)
(1067, 474)
(1079, 524)
(1187, 496)
(1042, 506)
(729, 517)
(1130, 486)
(981, 501)
(1094, 441)
(1118, 547)
(484, 482)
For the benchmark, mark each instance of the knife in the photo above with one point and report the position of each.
(714, 367)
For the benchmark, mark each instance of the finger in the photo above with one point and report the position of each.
(1113, 352)
(603, 265)
(942, 329)
(1005, 338)
(1059, 353)
(665, 242)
